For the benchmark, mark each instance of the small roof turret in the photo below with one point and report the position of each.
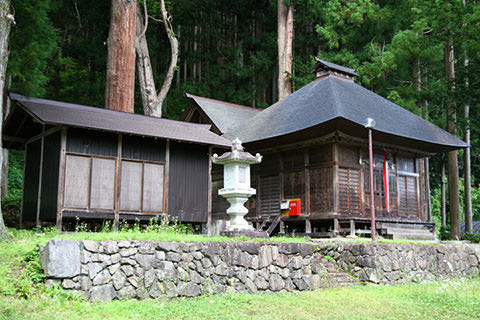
(324, 69)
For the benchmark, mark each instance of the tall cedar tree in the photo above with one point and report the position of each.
(5, 20)
(120, 86)
(285, 47)
(453, 181)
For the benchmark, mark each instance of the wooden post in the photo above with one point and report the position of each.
(209, 196)
(61, 177)
(336, 227)
(427, 189)
(307, 182)
(308, 226)
(372, 197)
(259, 199)
(444, 197)
(282, 227)
(23, 187)
(39, 193)
(118, 183)
(335, 177)
(167, 174)
(282, 194)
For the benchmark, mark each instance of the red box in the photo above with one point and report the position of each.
(294, 207)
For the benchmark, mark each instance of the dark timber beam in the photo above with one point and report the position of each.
(23, 188)
(15, 139)
(209, 196)
(39, 193)
(43, 134)
(118, 182)
(61, 177)
(167, 175)
(335, 177)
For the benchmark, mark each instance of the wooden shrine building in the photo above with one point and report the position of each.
(94, 163)
(315, 148)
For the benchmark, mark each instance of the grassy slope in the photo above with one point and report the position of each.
(459, 299)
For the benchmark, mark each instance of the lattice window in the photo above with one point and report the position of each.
(349, 199)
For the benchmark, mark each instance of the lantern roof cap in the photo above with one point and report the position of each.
(237, 155)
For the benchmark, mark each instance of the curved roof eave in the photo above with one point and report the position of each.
(329, 98)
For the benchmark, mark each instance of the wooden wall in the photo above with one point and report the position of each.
(99, 178)
(91, 142)
(219, 203)
(332, 178)
(50, 163)
(31, 182)
(188, 182)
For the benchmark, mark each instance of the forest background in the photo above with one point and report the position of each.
(228, 51)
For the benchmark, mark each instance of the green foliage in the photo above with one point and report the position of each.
(34, 44)
(436, 197)
(28, 276)
(444, 233)
(472, 237)
(11, 204)
(329, 259)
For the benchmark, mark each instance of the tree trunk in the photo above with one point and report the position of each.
(4, 186)
(417, 78)
(453, 181)
(467, 161)
(120, 84)
(152, 103)
(6, 110)
(167, 81)
(144, 67)
(5, 19)
(285, 48)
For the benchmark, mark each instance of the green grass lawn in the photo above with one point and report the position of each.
(22, 296)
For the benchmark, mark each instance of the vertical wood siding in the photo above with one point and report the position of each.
(349, 190)
(188, 182)
(140, 148)
(30, 191)
(92, 142)
(270, 184)
(49, 192)
(219, 203)
(321, 182)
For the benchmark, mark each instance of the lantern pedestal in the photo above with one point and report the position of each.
(237, 190)
(237, 210)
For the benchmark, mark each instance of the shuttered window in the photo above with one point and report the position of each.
(102, 193)
(142, 187)
(89, 182)
(321, 190)
(77, 181)
(349, 190)
(408, 197)
(270, 194)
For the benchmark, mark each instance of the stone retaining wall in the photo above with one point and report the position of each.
(108, 270)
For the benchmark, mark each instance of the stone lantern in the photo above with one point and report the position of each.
(236, 187)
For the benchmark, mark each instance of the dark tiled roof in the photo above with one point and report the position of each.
(334, 67)
(330, 98)
(223, 114)
(475, 227)
(61, 113)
